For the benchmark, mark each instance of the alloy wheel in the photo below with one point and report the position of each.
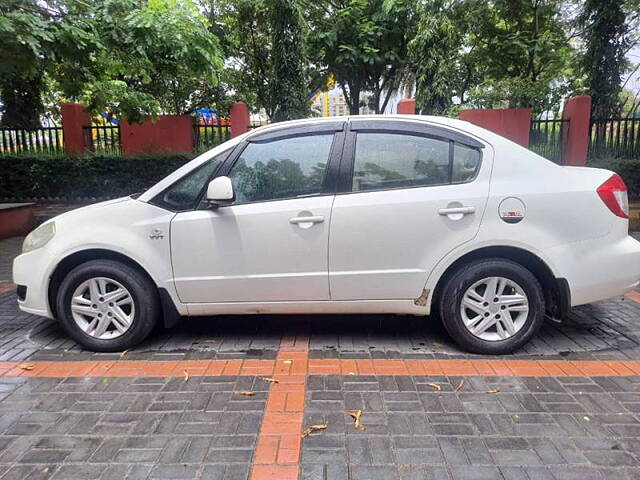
(494, 308)
(103, 308)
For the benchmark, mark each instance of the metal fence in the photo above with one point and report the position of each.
(102, 138)
(31, 140)
(614, 138)
(208, 136)
(547, 138)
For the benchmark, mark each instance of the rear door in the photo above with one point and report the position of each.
(411, 192)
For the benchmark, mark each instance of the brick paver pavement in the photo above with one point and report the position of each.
(567, 406)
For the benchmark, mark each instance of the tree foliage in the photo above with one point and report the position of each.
(288, 86)
(129, 57)
(145, 57)
(363, 43)
(607, 41)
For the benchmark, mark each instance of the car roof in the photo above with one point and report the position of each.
(452, 122)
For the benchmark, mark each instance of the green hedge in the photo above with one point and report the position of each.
(94, 176)
(627, 168)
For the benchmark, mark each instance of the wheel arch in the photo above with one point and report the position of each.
(556, 290)
(170, 313)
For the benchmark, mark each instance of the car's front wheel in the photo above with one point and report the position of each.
(107, 306)
(492, 306)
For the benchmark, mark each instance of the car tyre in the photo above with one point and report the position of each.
(465, 287)
(135, 299)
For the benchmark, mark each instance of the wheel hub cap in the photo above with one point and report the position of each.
(494, 308)
(103, 308)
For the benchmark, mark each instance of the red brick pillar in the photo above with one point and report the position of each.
(239, 118)
(511, 123)
(74, 117)
(576, 144)
(407, 106)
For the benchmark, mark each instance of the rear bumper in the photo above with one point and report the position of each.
(598, 269)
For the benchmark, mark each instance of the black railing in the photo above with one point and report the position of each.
(31, 140)
(547, 138)
(208, 136)
(102, 138)
(614, 138)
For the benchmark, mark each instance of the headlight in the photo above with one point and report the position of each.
(39, 237)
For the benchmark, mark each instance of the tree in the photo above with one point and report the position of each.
(363, 43)
(606, 37)
(288, 86)
(35, 38)
(128, 57)
(525, 53)
(435, 52)
(157, 56)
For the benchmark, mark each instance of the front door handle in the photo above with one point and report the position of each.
(309, 219)
(457, 211)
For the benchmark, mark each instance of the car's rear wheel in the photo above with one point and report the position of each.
(107, 306)
(492, 306)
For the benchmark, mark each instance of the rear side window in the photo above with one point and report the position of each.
(392, 160)
(466, 162)
(286, 168)
(387, 160)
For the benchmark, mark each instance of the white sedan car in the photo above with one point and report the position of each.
(404, 214)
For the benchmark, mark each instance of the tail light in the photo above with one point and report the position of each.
(613, 193)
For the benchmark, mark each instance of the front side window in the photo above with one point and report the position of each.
(388, 160)
(286, 168)
(184, 193)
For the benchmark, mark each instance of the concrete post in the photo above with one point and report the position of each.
(576, 146)
(406, 106)
(74, 117)
(239, 118)
(511, 123)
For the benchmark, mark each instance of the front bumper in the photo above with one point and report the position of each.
(32, 271)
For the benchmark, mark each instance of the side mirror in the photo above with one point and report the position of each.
(220, 192)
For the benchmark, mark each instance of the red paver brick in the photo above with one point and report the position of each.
(275, 472)
(633, 295)
(7, 287)
(266, 450)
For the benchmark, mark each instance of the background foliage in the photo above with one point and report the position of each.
(95, 176)
(145, 57)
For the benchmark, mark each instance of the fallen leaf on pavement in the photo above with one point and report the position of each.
(460, 385)
(270, 380)
(186, 376)
(435, 386)
(313, 428)
(497, 390)
(247, 393)
(356, 414)
(27, 366)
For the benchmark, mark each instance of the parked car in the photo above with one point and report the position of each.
(405, 214)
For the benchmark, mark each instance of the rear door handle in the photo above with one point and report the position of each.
(309, 219)
(457, 210)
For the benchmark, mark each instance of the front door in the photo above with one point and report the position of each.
(411, 199)
(272, 243)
